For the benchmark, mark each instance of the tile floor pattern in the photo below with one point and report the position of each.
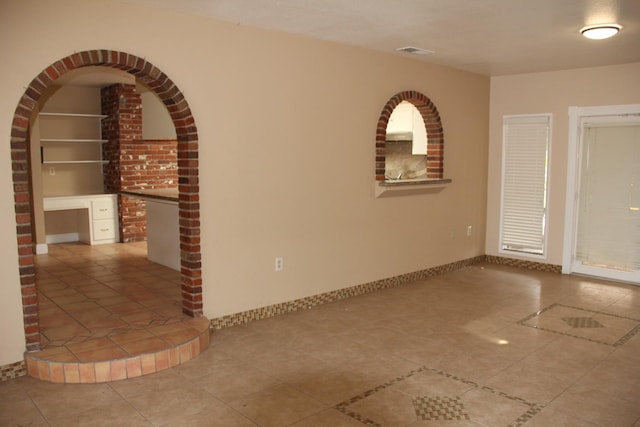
(618, 330)
(434, 408)
(109, 303)
(488, 339)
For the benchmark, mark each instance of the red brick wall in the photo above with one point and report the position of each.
(134, 163)
(149, 164)
(123, 106)
(144, 165)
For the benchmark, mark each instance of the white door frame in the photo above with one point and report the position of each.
(576, 114)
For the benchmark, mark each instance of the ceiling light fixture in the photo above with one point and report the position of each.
(599, 32)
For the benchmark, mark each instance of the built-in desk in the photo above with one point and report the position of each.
(98, 223)
(163, 230)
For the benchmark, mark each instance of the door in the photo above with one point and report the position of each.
(607, 220)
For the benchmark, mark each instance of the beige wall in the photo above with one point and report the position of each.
(286, 128)
(156, 121)
(552, 92)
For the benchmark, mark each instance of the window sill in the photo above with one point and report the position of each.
(401, 187)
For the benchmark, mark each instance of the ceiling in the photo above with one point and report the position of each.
(489, 37)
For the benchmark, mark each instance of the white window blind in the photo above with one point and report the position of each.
(609, 209)
(524, 183)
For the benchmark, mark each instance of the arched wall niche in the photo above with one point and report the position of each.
(432, 123)
(188, 184)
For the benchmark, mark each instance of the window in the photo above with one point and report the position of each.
(406, 144)
(430, 163)
(525, 163)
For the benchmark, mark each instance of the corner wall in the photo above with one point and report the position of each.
(286, 147)
(550, 92)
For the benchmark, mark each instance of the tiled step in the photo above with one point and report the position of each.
(120, 356)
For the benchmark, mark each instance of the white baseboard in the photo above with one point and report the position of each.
(62, 238)
(41, 248)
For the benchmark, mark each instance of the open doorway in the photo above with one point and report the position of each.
(107, 147)
(188, 189)
(96, 135)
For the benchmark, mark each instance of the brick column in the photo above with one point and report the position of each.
(122, 128)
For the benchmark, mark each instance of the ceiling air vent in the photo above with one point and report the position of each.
(415, 50)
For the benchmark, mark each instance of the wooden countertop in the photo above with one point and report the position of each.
(166, 194)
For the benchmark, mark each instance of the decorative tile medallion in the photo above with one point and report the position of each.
(436, 408)
(582, 322)
(590, 325)
(439, 408)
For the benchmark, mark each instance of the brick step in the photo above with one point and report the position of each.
(110, 359)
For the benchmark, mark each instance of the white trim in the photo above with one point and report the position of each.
(63, 238)
(619, 276)
(576, 116)
(571, 196)
(41, 248)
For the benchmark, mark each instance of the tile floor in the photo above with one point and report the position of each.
(486, 345)
(109, 303)
(90, 291)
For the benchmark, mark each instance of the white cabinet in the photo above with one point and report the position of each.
(400, 125)
(406, 124)
(104, 223)
(102, 208)
(98, 222)
(104, 231)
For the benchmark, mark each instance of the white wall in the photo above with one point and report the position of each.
(551, 92)
(286, 129)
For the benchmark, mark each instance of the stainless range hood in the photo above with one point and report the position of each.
(400, 136)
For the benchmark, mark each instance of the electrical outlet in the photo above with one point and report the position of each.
(468, 231)
(279, 264)
(52, 171)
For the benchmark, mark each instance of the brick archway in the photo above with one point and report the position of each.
(435, 133)
(188, 185)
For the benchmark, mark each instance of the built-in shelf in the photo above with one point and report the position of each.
(102, 141)
(74, 162)
(85, 129)
(405, 182)
(95, 116)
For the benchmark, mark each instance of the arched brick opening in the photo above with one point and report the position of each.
(188, 185)
(435, 133)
